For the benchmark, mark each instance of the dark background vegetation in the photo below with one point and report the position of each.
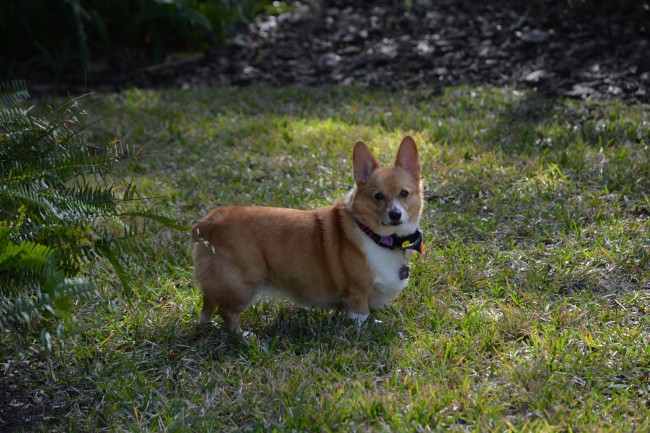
(68, 40)
(577, 48)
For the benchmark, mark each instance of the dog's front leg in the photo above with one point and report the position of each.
(356, 303)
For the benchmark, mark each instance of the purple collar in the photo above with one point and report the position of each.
(410, 242)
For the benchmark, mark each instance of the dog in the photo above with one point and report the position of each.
(352, 254)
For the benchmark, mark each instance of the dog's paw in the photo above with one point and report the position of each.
(204, 320)
(357, 318)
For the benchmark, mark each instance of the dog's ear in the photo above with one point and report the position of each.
(363, 163)
(408, 158)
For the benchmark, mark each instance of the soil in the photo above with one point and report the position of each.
(577, 48)
(24, 404)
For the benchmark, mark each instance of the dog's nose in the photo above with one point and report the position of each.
(395, 214)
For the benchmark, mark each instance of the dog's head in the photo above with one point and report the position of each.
(387, 199)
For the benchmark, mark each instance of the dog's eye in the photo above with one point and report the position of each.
(403, 193)
(379, 196)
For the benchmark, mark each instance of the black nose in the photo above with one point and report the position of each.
(394, 215)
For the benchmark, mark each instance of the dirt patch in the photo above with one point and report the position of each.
(25, 406)
(581, 49)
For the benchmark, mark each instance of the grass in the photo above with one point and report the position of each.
(529, 313)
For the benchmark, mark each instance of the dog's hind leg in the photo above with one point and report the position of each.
(209, 305)
(229, 295)
(230, 320)
(228, 302)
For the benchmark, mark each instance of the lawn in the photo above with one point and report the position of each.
(530, 311)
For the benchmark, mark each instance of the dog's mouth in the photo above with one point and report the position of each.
(392, 223)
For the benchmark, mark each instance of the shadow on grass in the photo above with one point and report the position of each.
(293, 330)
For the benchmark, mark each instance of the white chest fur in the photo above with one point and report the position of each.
(385, 265)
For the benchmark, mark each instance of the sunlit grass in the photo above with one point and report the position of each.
(529, 312)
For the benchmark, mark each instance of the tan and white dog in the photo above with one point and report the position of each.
(352, 254)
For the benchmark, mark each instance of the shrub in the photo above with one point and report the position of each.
(77, 32)
(62, 206)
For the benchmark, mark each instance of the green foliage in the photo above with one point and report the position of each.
(79, 32)
(60, 208)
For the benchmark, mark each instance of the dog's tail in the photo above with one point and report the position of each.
(198, 233)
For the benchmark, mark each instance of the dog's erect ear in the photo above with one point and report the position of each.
(363, 163)
(408, 158)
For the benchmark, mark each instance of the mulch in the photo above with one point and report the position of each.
(577, 48)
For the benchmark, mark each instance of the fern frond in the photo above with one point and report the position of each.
(13, 91)
(160, 218)
(30, 261)
(32, 303)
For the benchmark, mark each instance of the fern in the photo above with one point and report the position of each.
(62, 206)
(13, 91)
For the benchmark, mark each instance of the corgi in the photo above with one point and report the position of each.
(352, 254)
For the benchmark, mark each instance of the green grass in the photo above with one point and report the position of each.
(529, 313)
